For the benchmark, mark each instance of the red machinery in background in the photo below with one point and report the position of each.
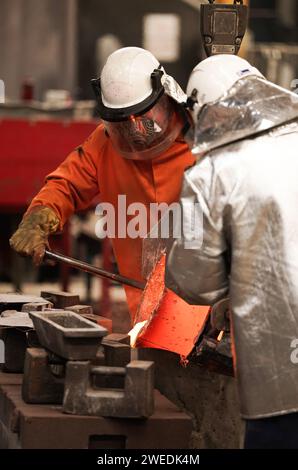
(29, 150)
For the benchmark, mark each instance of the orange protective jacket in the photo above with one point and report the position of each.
(95, 167)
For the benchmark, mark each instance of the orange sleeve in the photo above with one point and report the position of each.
(74, 184)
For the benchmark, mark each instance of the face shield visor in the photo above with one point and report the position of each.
(145, 136)
(145, 130)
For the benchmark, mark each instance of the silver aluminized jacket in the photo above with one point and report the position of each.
(248, 193)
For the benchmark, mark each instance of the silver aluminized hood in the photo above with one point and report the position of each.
(251, 106)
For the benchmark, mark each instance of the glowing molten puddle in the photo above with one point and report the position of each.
(168, 321)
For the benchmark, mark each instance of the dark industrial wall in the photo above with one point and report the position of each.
(274, 20)
(54, 41)
(38, 40)
(124, 20)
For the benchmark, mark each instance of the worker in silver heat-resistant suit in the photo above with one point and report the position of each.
(245, 136)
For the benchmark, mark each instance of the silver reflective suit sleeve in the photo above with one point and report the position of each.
(247, 188)
(196, 266)
(253, 184)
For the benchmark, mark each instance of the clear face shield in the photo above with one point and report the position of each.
(144, 131)
(145, 136)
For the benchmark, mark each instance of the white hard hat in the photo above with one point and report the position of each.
(214, 76)
(140, 115)
(126, 77)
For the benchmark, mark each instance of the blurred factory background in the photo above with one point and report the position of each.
(62, 44)
(50, 49)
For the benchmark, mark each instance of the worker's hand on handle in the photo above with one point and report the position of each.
(31, 237)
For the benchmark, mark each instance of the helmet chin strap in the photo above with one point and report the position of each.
(192, 100)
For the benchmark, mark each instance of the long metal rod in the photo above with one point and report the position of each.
(88, 268)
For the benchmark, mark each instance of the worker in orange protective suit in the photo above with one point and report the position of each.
(137, 151)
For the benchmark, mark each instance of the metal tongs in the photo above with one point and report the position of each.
(89, 268)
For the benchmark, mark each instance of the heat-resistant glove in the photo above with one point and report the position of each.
(31, 237)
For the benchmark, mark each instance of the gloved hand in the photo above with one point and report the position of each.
(220, 315)
(31, 237)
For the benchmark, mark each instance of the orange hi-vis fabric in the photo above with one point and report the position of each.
(96, 168)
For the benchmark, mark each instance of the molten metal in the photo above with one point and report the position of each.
(168, 321)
